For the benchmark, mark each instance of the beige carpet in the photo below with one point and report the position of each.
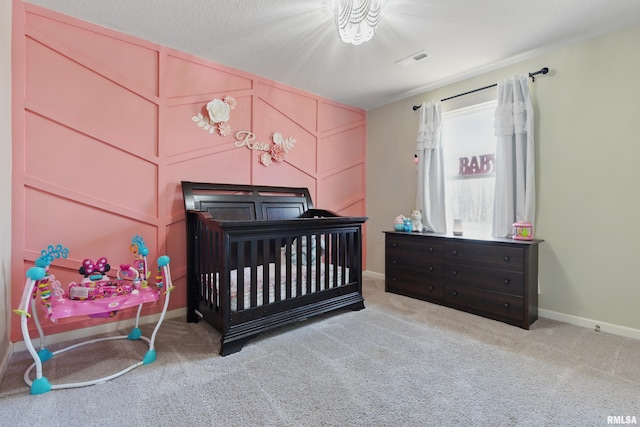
(399, 362)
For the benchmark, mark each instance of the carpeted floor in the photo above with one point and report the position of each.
(399, 362)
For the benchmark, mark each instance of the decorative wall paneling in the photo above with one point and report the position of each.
(103, 136)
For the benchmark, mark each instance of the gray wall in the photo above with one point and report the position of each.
(588, 172)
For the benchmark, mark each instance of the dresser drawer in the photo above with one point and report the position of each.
(423, 288)
(506, 281)
(495, 303)
(508, 257)
(412, 248)
(406, 266)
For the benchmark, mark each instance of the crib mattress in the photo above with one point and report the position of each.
(314, 286)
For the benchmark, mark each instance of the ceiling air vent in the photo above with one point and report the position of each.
(412, 59)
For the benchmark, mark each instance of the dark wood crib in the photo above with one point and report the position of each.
(259, 257)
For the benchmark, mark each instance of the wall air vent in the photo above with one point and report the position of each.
(412, 59)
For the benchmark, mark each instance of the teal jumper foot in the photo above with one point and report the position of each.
(149, 357)
(40, 386)
(135, 334)
(44, 354)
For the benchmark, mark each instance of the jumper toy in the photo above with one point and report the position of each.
(96, 295)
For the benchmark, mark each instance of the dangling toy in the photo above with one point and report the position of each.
(48, 286)
(45, 294)
(140, 252)
(159, 278)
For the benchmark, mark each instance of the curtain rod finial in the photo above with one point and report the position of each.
(544, 70)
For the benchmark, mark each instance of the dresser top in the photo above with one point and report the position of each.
(469, 238)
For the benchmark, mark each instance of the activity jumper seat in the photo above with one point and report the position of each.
(97, 295)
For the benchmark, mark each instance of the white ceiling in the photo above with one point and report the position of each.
(295, 41)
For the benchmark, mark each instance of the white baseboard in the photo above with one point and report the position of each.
(373, 274)
(4, 361)
(93, 331)
(609, 328)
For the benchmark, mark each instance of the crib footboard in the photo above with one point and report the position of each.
(247, 277)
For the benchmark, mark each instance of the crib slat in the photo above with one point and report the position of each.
(337, 255)
(288, 268)
(253, 290)
(205, 266)
(299, 261)
(266, 257)
(197, 258)
(308, 263)
(203, 236)
(278, 272)
(327, 260)
(210, 268)
(240, 276)
(318, 261)
(216, 269)
(351, 254)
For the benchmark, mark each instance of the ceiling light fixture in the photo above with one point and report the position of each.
(357, 20)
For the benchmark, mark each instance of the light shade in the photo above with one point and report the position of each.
(356, 20)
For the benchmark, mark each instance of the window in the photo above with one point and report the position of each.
(469, 147)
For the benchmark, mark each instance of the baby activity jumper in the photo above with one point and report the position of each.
(98, 296)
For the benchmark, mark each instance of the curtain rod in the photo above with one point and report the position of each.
(545, 70)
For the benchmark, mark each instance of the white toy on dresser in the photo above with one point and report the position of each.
(416, 220)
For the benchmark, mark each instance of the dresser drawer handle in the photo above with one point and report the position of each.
(394, 278)
(454, 293)
(430, 249)
(454, 252)
(506, 305)
(394, 262)
(506, 258)
(431, 268)
(395, 245)
(507, 281)
(454, 272)
(430, 288)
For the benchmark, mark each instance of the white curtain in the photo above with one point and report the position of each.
(515, 198)
(430, 196)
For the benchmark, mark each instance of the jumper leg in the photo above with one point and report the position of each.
(163, 262)
(44, 353)
(136, 332)
(41, 384)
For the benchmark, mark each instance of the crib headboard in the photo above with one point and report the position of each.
(246, 202)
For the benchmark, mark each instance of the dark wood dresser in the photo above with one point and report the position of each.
(494, 278)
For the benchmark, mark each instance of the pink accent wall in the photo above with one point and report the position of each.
(102, 137)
